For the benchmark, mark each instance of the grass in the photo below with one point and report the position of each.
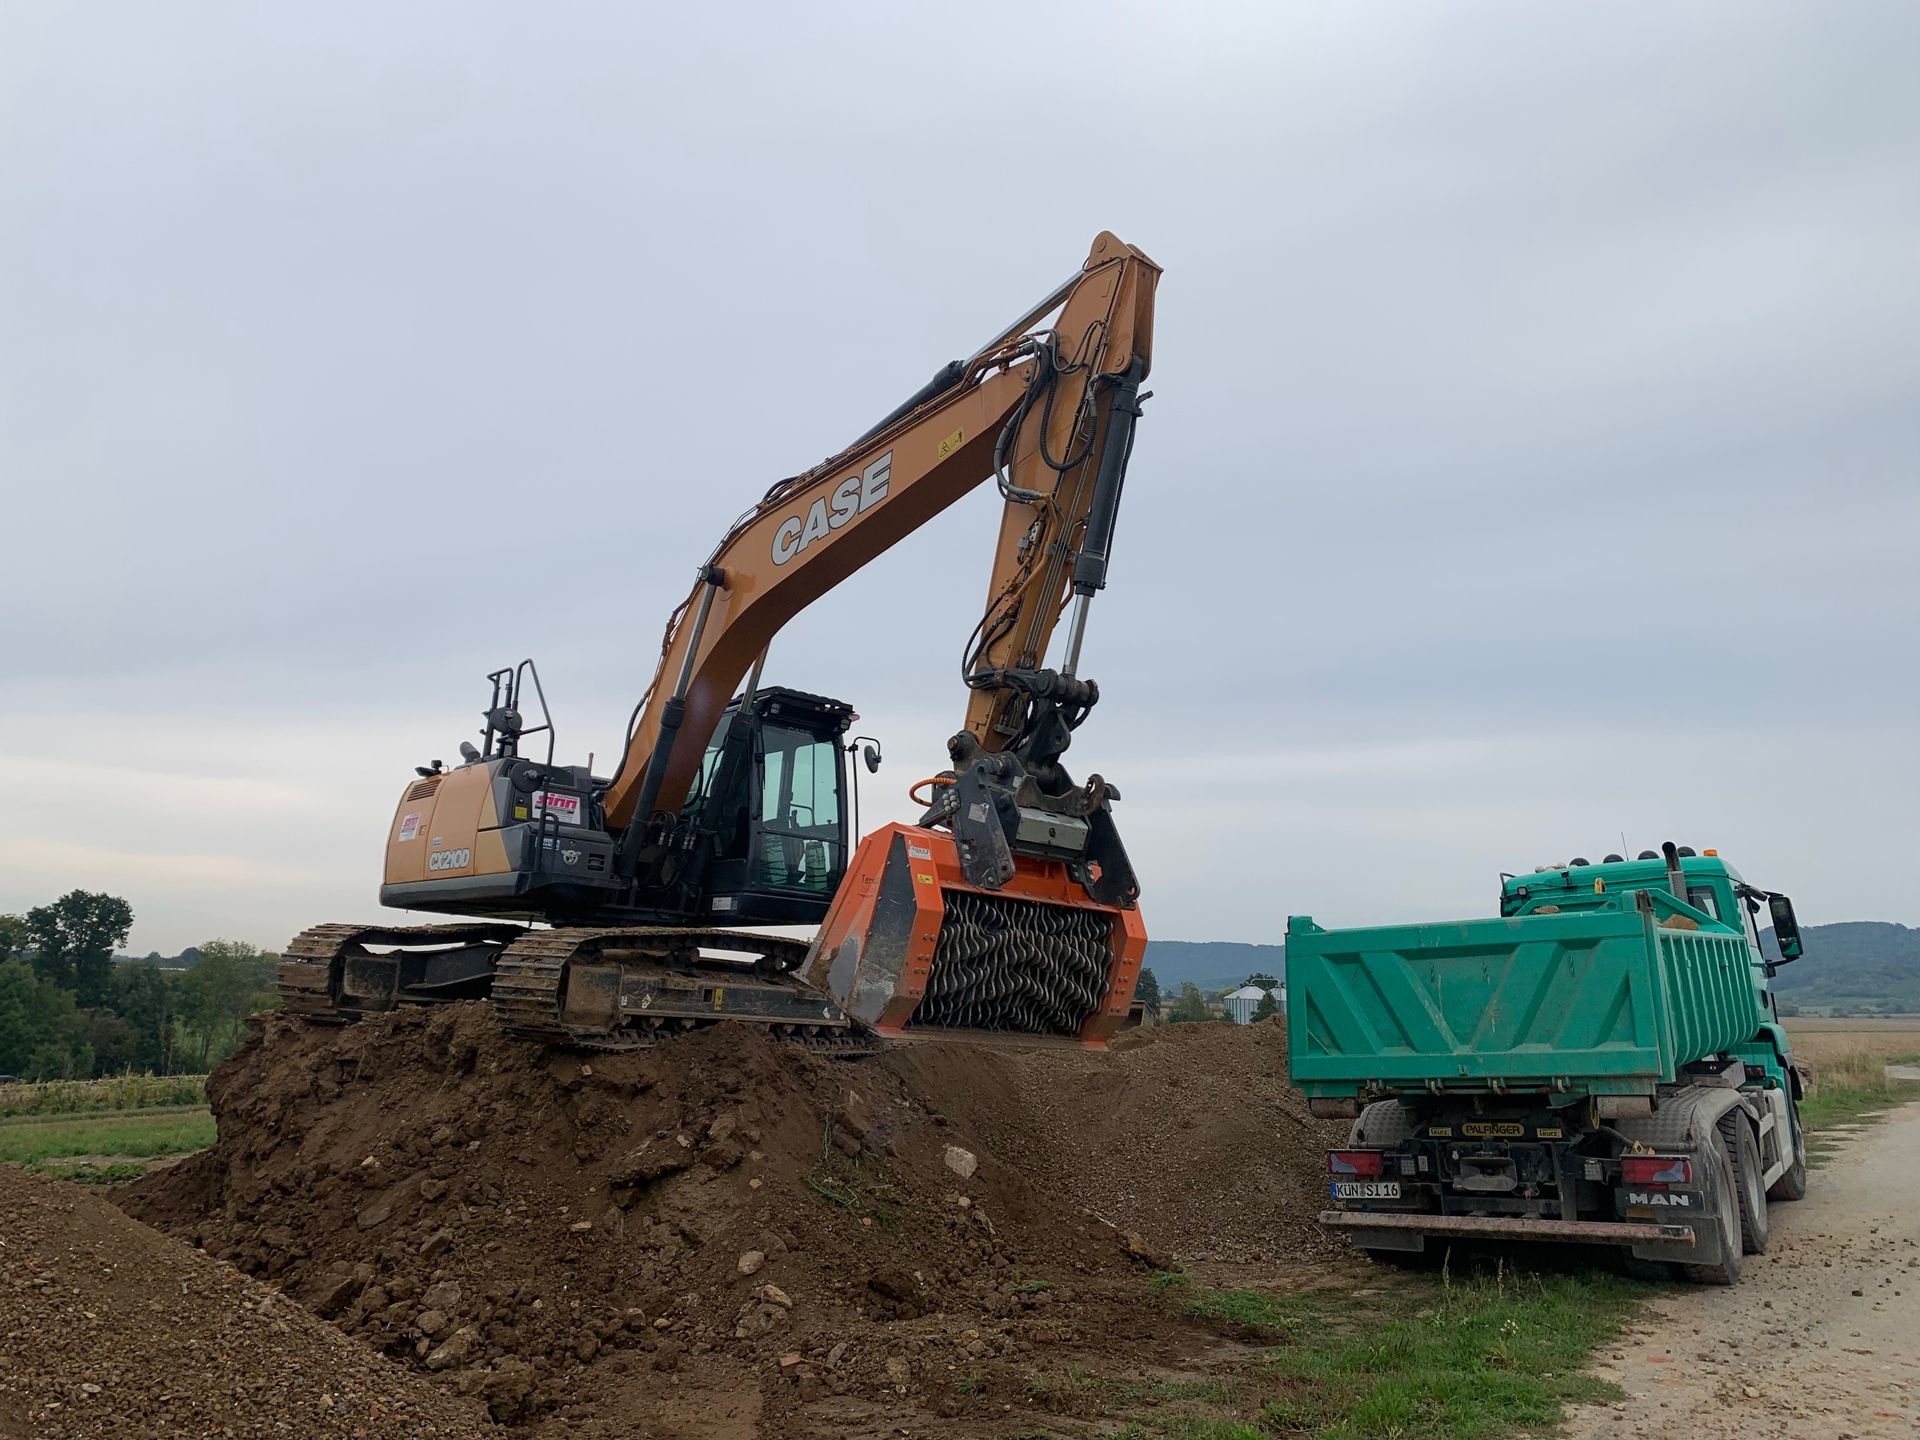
(112, 1092)
(114, 1173)
(134, 1134)
(1421, 1358)
(1481, 1358)
(1850, 1086)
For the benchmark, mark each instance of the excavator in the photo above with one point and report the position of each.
(609, 913)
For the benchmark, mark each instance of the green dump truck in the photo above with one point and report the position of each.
(1603, 1063)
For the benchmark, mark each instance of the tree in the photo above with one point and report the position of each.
(43, 1035)
(1267, 1008)
(231, 981)
(1147, 991)
(147, 999)
(1189, 1005)
(74, 939)
(14, 937)
(1263, 980)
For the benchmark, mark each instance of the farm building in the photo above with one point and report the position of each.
(1240, 1004)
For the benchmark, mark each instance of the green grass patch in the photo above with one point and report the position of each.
(1476, 1357)
(1195, 1427)
(130, 1134)
(1423, 1358)
(1254, 1314)
(116, 1172)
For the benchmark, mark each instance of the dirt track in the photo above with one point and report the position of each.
(1821, 1338)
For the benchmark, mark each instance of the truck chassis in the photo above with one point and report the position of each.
(1471, 1168)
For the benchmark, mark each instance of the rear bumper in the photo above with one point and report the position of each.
(1408, 1232)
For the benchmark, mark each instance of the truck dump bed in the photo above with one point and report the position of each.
(1605, 1000)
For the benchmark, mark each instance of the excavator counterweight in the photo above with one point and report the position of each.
(612, 911)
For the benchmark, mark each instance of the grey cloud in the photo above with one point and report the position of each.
(1523, 371)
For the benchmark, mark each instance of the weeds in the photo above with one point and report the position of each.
(822, 1180)
(112, 1092)
(1850, 1086)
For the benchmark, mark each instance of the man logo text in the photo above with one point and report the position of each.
(853, 496)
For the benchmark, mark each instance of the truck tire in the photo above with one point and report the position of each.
(1792, 1184)
(1717, 1170)
(1743, 1150)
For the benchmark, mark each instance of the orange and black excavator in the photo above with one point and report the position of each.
(1010, 908)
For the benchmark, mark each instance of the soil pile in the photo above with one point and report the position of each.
(1188, 1134)
(109, 1328)
(728, 1235)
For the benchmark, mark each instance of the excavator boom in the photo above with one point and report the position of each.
(1031, 410)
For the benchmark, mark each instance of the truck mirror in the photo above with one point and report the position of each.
(1786, 930)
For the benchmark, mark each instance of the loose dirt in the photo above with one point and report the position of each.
(1188, 1134)
(728, 1236)
(110, 1328)
(1820, 1339)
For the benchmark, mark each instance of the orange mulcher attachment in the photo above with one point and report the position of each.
(910, 947)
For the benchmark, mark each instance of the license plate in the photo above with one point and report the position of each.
(1366, 1189)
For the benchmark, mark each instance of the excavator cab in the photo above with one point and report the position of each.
(766, 814)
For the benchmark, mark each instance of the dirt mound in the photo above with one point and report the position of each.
(728, 1233)
(1188, 1134)
(108, 1328)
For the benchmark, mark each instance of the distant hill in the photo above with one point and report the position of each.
(1856, 967)
(1212, 964)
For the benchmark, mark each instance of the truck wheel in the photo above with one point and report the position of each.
(1717, 1171)
(1792, 1184)
(1743, 1150)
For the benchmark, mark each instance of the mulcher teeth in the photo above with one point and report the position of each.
(1017, 965)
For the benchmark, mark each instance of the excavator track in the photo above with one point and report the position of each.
(328, 974)
(626, 989)
(592, 989)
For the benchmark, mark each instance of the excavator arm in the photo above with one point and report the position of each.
(1046, 414)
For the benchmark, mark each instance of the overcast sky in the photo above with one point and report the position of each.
(1534, 455)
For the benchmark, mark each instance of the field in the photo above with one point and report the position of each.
(112, 1129)
(1849, 1060)
(1816, 1039)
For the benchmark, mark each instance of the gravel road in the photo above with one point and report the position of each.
(1821, 1338)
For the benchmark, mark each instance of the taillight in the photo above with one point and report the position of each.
(1353, 1162)
(1655, 1169)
